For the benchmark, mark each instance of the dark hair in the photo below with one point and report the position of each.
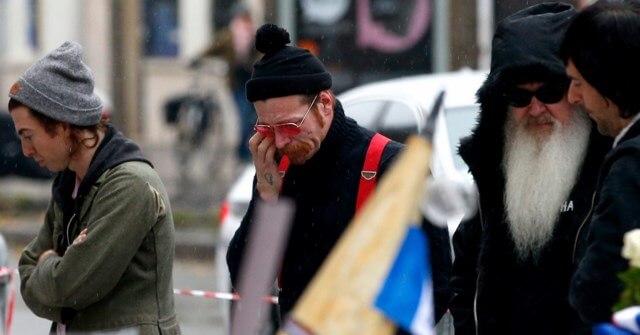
(50, 124)
(603, 42)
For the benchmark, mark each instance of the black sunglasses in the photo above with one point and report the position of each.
(548, 94)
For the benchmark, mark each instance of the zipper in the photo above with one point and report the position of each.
(575, 243)
(475, 294)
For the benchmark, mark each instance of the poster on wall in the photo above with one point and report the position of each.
(366, 40)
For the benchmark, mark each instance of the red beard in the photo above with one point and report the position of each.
(297, 152)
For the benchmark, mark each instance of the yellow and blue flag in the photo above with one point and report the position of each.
(377, 277)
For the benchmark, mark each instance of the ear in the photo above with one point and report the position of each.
(326, 99)
(64, 129)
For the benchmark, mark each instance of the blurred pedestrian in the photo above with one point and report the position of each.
(301, 121)
(102, 261)
(535, 159)
(234, 44)
(602, 51)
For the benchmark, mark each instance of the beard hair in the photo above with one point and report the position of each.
(297, 152)
(539, 176)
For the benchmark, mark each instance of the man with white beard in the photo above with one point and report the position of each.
(541, 167)
(535, 160)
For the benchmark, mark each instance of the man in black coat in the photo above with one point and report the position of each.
(535, 159)
(602, 49)
(300, 118)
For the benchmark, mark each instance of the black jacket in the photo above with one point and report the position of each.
(325, 190)
(595, 286)
(493, 292)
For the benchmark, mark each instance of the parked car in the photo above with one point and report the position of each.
(396, 108)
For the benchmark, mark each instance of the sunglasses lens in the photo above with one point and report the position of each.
(264, 130)
(550, 94)
(519, 97)
(289, 129)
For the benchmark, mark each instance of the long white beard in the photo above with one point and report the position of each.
(540, 174)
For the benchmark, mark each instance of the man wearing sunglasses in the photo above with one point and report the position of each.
(299, 118)
(535, 159)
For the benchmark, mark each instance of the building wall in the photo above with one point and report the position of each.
(161, 76)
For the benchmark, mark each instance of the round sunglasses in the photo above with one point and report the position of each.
(288, 128)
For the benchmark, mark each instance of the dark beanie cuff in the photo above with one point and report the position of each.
(262, 88)
(35, 100)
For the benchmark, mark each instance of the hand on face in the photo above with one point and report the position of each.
(263, 150)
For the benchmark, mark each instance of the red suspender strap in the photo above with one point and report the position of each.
(283, 167)
(369, 174)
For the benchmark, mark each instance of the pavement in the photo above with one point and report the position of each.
(196, 194)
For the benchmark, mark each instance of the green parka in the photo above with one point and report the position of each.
(121, 275)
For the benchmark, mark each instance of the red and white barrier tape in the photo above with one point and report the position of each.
(8, 276)
(219, 295)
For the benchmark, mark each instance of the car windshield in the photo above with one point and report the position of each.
(460, 122)
(393, 119)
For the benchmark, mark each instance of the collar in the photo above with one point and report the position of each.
(114, 149)
(625, 130)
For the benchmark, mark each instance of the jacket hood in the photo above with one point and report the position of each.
(525, 47)
(114, 150)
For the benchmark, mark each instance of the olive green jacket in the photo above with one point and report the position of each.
(121, 275)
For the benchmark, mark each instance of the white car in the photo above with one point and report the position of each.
(395, 108)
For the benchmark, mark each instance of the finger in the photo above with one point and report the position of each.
(263, 150)
(270, 155)
(254, 141)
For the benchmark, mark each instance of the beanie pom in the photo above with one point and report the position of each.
(271, 38)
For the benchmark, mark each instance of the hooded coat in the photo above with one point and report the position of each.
(120, 276)
(493, 292)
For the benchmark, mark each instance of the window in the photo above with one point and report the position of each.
(161, 28)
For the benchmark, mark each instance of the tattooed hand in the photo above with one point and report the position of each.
(269, 178)
(269, 181)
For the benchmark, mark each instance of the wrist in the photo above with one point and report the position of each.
(270, 197)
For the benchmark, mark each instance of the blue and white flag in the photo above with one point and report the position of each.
(624, 322)
(406, 297)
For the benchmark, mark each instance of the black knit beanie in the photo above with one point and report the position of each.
(284, 70)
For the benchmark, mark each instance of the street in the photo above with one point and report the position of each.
(197, 316)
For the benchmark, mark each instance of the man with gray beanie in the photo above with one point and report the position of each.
(535, 160)
(102, 261)
(301, 123)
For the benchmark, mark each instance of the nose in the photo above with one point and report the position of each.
(281, 140)
(536, 107)
(27, 149)
(573, 95)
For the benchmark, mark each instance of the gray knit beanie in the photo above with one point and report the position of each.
(60, 86)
